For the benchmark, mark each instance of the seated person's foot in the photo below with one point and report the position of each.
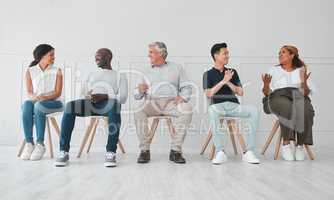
(176, 157)
(110, 159)
(219, 158)
(62, 159)
(27, 151)
(144, 157)
(300, 155)
(250, 157)
(287, 153)
(38, 152)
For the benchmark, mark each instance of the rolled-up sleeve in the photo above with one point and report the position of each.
(185, 87)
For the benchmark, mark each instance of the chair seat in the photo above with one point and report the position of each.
(228, 117)
(99, 117)
(55, 114)
(161, 117)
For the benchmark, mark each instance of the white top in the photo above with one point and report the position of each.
(284, 79)
(43, 82)
(165, 81)
(105, 81)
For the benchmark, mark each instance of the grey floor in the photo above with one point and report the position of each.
(87, 178)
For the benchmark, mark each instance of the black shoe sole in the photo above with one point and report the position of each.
(142, 162)
(173, 160)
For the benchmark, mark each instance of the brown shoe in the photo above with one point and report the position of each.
(176, 157)
(144, 157)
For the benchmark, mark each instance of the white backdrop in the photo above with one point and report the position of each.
(254, 31)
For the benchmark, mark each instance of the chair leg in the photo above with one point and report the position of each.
(55, 125)
(235, 130)
(270, 137)
(92, 136)
(206, 142)
(21, 148)
(88, 131)
(49, 137)
(309, 152)
(153, 129)
(120, 145)
(171, 127)
(233, 139)
(213, 151)
(278, 146)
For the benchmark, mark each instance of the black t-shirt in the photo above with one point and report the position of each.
(214, 76)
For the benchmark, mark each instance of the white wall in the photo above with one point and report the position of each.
(254, 31)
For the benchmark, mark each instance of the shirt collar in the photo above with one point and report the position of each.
(214, 68)
(157, 66)
(46, 69)
(102, 69)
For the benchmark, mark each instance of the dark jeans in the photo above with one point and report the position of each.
(83, 108)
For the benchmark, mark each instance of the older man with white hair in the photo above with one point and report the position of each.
(166, 91)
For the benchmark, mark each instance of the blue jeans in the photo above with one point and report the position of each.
(230, 109)
(83, 107)
(36, 112)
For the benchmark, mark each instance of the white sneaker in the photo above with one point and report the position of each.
(38, 152)
(27, 151)
(300, 155)
(287, 153)
(219, 158)
(250, 157)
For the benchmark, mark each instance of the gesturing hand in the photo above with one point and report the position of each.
(142, 88)
(228, 75)
(266, 78)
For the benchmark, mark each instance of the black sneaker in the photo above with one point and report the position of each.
(62, 159)
(176, 157)
(144, 157)
(110, 159)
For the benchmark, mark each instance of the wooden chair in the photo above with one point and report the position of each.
(279, 140)
(155, 123)
(90, 134)
(50, 118)
(233, 130)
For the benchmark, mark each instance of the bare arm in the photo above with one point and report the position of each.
(305, 89)
(29, 86)
(236, 89)
(212, 91)
(56, 92)
(266, 78)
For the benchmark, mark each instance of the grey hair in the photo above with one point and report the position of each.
(160, 47)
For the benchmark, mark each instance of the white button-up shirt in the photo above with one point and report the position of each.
(43, 82)
(284, 79)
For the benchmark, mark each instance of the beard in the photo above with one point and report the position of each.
(103, 63)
